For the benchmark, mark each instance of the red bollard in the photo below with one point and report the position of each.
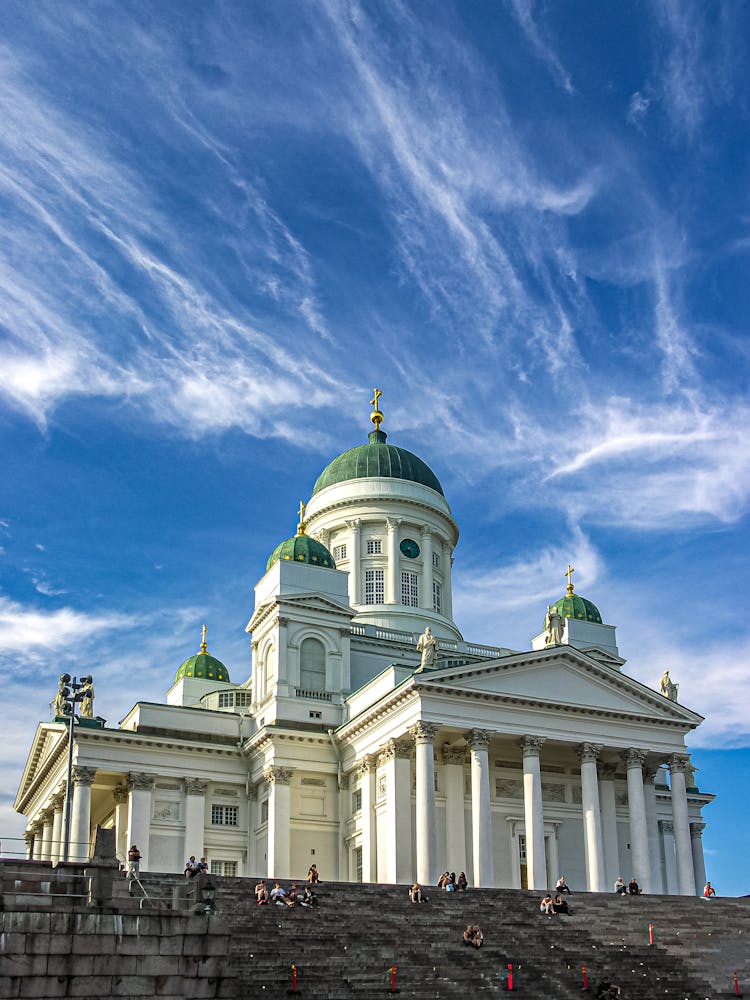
(585, 972)
(650, 933)
(294, 978)
(736, 985)
(393, 979)
(510, 976)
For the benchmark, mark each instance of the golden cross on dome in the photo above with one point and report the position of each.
(204, 647)
(569, 573)
(376, 416)
(302, 524)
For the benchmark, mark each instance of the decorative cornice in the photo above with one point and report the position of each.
(276, 775)
(531, 745)
(84, 775)
(478, 739)
(424, 732)
(194, 786)
(141, 781)
(589, 752)
(635, 758)
(120, 794)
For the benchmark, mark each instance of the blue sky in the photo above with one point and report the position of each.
(528, 223)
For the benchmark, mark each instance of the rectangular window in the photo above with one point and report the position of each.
(374, 547)
(522, 848)
(225, 815)
(374, 590)
(436, 560)
(226, 699)
(357, 801)
(228, 868)
(264, 811)
(242, 699)
(339, 552)
(437, 604)
(357, 864)
(409, 590)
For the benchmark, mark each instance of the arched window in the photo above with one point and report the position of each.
(312, 665)
(270, 668)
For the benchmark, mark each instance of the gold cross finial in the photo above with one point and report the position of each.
(569, 573)
(376, 416)
(302, 523)
(204, 647)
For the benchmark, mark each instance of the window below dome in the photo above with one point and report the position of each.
(312, 665)
(339, 552)
(374, 587)
(409, 589)
(374, 547)
(436, 560)
(269, 668)
(437, 597)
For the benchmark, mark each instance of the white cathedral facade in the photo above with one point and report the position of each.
(349, 749)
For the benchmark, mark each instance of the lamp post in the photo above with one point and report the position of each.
(70, 693)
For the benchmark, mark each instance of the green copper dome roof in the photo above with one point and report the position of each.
(302, 548)
(203, 666)
(377, 459)
(573, 606)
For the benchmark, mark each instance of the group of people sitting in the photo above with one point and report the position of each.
(473, 937)
(193, 867)
(552, 905)
(631, 888)
(450, 883)
(278, 896)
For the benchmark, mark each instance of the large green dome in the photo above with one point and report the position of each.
(573, 606)
(377, 459)
(203, 666)
(301, 548)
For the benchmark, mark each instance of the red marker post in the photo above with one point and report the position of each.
(650, 933)
(294, 979)
(393, 979)
(510, 977)
(736, 985)
(585, 972)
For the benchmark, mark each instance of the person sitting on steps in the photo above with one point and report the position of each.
(312, 876)
(633, 888)
(462, 883)
(560, 906)
(192, 867)
(562, 886)
(308, 898)
(708, 891)
(416, 895)
(261, 893)
(547, 905)
(620, 888)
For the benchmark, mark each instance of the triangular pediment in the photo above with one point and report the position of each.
(289, 604)
(46, 741)
(566, 677)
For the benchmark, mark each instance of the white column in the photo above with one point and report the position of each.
(670, 857)
(80, 827)
(392, 595)
(195, 816)
(29, 838)
(120, 795)
(141, 785)
(355, 565)
(649, 794)
(426, 595)
(536, 864)
(367, 771)
(685, 875)
(554, 854)
(396, 766)
(57, 828)
(592, 823)
(608, 805)
(279, 821)
(481, 813)
(48, 819)
(252, 837)
(699, 862)
(424, 733)
(637, 808)
(455, 822)
(447, 562)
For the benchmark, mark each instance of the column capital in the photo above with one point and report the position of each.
(353, 524)
(589, 752)
(666, 825)
(478, 739)
(57, 802)
(678, 762)
(84, 775)
(454, 755)
(426, 531)
(392, 750)
(28, 835)
(120, 794)
(607, 772)
(46, 816)
(392, 523)
(194, 786)
(367, 764)
(635, 758)
(424, 732)
(696, 830)
(141, 781)
(276, 775)
(531, 745)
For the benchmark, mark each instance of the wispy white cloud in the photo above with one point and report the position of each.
(33, 632)
(524, 13)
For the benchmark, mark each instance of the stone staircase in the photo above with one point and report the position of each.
(346, 946)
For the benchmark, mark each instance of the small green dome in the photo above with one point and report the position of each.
(302, 548)
(573, 606)
(377, 459)
(203, 666)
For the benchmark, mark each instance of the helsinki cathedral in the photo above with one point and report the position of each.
(376, 741)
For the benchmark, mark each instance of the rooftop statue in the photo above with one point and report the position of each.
(554, 626)
(87, 699)
(427, 646)
(668, 688)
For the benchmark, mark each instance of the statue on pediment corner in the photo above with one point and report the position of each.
(553, 626)
(668, 688)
